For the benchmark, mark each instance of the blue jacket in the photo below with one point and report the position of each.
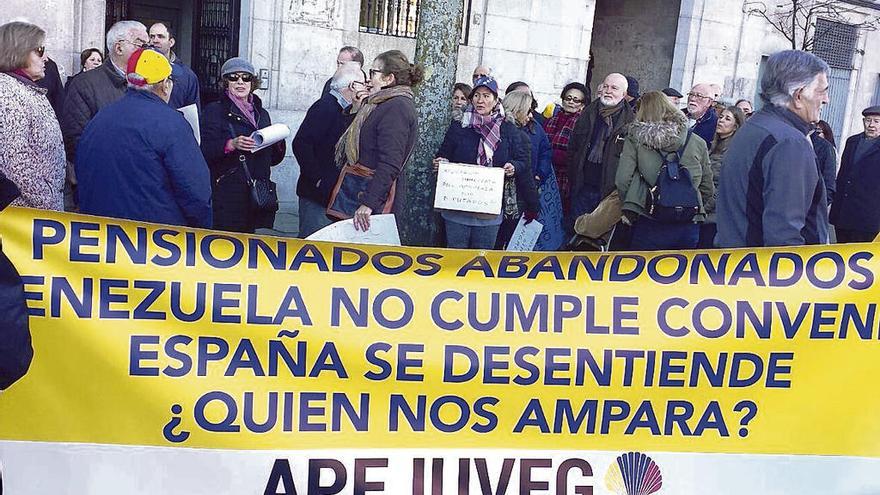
(138, 159)
(857, 206)
(542, 153)
(770, 193)
(705, 126)
(186, 86)
(15, 338)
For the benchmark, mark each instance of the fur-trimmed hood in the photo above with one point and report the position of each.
(665, 136)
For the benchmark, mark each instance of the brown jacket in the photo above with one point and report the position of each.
(578, 148)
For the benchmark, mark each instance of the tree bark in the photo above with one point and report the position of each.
(437, 51)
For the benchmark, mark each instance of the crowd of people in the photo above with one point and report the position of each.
(605, 168)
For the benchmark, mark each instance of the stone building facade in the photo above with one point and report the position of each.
(544, 42)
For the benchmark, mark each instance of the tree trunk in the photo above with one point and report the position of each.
(437, 51)
(794, 13)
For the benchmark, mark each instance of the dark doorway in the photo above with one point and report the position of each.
(206, 30)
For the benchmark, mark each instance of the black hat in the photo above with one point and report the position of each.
(672, 93)
(632, 88)
(875, 110)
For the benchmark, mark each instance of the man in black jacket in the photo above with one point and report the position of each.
(856, 211)
(315, 143)
(93, 90)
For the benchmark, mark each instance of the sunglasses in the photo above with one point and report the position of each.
(40, 50)
(573, 99)
(236, 77)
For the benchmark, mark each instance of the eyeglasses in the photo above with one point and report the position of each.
(871, 120)
(698, 96)
(40, 50)
(236, 77)
(373, 72)
(138, 43)
(573, 99)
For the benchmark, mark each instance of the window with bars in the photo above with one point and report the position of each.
(835, 43)
(401, 18)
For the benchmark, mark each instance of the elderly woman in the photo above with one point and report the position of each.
(31, 147)
(519, 107)
(729, 121)
(381, 138)
(559, 128)
(483, 136)
(460, 93)
(659, 132)
(226, 127)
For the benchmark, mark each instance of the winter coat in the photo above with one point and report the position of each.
(771, 193)
(138, 159)
(220, 122)
(16, 351)
(579, 147)
(641, 161)
(460, 145)
(186, 86)
(826, 160)
(716, 159)
(87, 93)
(542, 152)
(31, 147)
(51, 82)
(387, 139)
(314, 145)
(705, 125)
(857, 203)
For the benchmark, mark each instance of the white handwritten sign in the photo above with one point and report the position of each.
(470, 188)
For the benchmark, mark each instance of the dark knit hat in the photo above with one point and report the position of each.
(632, 88)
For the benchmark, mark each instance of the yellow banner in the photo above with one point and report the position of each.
(160, 336)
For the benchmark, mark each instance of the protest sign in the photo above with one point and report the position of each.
(172, 360)
(470, 188)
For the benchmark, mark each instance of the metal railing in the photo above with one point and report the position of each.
(401, 18)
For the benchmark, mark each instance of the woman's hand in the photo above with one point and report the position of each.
(509, 169)
(243, 143)
(362, 218)
(437, 161)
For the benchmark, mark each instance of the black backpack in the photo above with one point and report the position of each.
(673, 199)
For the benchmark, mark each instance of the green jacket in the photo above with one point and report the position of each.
(640, 162)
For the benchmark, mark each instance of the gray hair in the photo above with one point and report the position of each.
(786, 72)
(120, 31)
(356, 54)
(17, 41)
(346, 74)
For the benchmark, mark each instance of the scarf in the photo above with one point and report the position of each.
(559, 128)
(489, 127)
(348, 146)
(246, 105)
(607, 114)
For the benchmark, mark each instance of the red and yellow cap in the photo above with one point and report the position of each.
(147, 67)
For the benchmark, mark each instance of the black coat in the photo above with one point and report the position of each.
(220, 122)
(87, 93)
(579, 147)
(314, 148)
(16, 351)
(54, 87)
(461, 144)
(857, 202)
(826, 160)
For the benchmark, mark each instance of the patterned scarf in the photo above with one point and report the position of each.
(246, 105)
(348, 146)
(559, 128)
(489, 127)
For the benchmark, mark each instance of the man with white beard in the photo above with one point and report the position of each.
(596, 143)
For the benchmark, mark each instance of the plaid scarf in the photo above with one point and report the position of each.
(559, 128)
(489, 127)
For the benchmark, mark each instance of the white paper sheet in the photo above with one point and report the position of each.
(470, 188)
(383, 231)
(525, 236)
(268, 136)
(191, 114)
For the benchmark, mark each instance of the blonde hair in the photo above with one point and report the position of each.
(17, 41)
(518, 105)
(654, 106)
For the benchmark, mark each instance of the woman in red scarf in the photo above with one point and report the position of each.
(558, 129)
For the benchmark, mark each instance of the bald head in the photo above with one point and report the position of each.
(613, 89)
(481, 71)
(700, 99)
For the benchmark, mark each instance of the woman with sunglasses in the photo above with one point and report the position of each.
(226, 127)
(31, 147)
(559, 128)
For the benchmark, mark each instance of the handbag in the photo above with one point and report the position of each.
(264, 195)
(510, 207)
(348, 193)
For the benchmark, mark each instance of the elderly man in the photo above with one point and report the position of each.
(346, 54)
(138, 158)
(770, 193)
(595, 146)
(481, 71)
(700, 112)
(856, 211)
(91, 91)
(186, 83)
(315, 142)
(674, 96)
